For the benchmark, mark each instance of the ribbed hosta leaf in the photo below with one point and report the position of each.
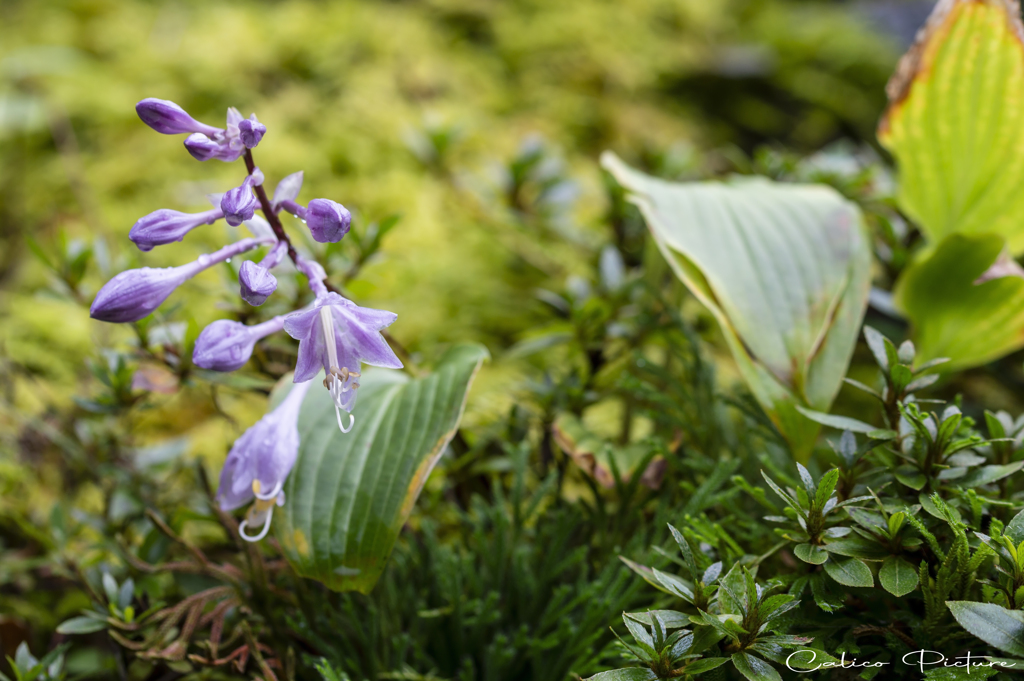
(349, 494)
(955, 122)
(785, 270)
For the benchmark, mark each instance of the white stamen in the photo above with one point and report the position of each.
(263, 532)
(271, 495)
(327, 321)
(351, 420)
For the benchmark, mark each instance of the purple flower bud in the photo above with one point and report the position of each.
(170, 119)
(225, 345)
(165, 226)
(251, 131)
(203, 148)
(134, 294)
(257, 283)
(239, 204)
(327, 220)
(261, 459)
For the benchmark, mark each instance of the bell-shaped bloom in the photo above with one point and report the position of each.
(227, 345)
(239, 204)
(259, 462)
(134, 294)
(170, 119)
(251, 131)
(338, 336)
(328, 221)
(256, 282)
(165, 226)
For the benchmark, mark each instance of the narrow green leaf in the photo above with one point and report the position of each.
(349, 494)
(81, 625)
(838, 422)
(628, 674)
(755, 669)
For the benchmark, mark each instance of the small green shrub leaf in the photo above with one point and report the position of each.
(992, 623)
(850, 572)
(897, 576)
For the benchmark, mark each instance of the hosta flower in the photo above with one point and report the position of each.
(256, 283)
(203, 148)
(251, 131)
(134, 294)
(328, 221)
(226, 345)
(170, 119)
(239, 204)
(259, 462)
(339, 336)
(165, 226)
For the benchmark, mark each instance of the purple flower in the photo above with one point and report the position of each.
(257, 283)
(251, 131)
(239, 204)
(134, 294)
(165, 226)
(225, 345)
(259, 462)
(287, 190)
(203, 148)
(338, 336)
(327, 220)
(170, 119)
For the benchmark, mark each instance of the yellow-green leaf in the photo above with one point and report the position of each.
(349, 494)
(955, 122)
(951, 315)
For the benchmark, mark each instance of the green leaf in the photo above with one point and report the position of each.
(81, 625)
(975, 673)
(1015, 528)
(628, 674)
(911, 477)
(951, 315)
(992, 623)
(989, 474)
(809, 553)
(754, 668)
(955, 123)
(784, 268)
(670, 618)
(826, 486)
(838, 422)
(349, 494)
(850, 572)
(897, 576)
(704, 665)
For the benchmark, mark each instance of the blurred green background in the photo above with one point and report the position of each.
(478, 122)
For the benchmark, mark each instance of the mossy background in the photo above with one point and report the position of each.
(352, 93)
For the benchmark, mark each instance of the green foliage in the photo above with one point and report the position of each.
(790, 316)
(403, 427)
